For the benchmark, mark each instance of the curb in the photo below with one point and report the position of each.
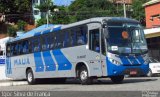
(13, 83)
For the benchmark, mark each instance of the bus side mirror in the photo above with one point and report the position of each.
(104, 25)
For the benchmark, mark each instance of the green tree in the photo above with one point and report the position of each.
(11, 30)
(41, 21)
(21, 24)
(15, 6)
(61, 16)
(16, 9)
(138, 10)
(46, 5)
(84, 9)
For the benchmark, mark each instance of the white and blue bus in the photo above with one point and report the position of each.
(93, 48)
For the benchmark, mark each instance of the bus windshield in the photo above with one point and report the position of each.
(126, 38)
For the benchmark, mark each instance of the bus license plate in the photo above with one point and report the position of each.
(133, 72)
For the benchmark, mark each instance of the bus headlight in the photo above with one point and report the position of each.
(114, 62)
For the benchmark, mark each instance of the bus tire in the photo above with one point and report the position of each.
(83, 76)
(117, 79)
(30, 77)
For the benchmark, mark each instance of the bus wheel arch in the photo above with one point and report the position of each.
(82, 73)
(78, 67)
(30, 76)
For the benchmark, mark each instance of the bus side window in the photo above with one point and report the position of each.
(11, 53)
(80, 38)
(94, 40)
(52, 41)
(84, 32)
(8, 50)
(56, 41)
(16, 49)
(20, 48)
(73, 36)
(66, 39)
(25, 49)
(45, 42)
(59, 40)
(82, 35)
(36, 44)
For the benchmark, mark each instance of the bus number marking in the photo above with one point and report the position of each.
(80, 57)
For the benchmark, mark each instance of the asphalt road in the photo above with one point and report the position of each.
(135, 86)
(129, 84)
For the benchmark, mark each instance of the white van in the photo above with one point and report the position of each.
(2, 57)
(154, 66)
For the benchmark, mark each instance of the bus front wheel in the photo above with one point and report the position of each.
(83, 76)
(30, 77)
(117, 79)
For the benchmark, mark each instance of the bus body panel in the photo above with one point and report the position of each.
(69, 56)
(62, 62)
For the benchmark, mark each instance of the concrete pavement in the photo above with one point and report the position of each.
(12, 82)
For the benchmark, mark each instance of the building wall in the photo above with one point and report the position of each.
(152, 15)
(36, 12)
(3, 36)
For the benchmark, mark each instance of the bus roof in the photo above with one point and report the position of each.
(51, 27)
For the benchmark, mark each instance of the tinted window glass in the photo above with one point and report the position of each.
(36, 44)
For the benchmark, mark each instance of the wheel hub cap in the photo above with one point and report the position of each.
(83, 75)
(29, 77)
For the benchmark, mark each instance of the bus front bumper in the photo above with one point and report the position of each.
(128, 70)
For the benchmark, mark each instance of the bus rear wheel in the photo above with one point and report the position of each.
(117, 79)
(30, 77)
(83, 76)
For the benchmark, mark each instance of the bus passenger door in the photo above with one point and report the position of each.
(95, 55)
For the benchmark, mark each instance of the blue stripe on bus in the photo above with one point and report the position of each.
(2, 61)
(63, 62)
(8, 62)
(37, 34)
(57, 29)
(46, 31)
(133, 60)
(124, 60)
(141, 60)
(49, 63)
(38, 62)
